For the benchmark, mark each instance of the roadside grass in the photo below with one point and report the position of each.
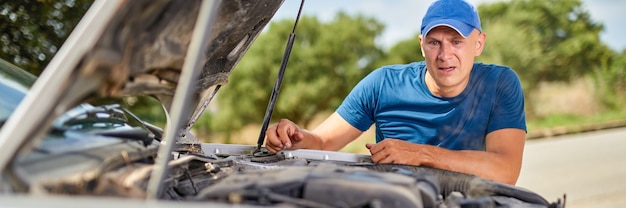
(574, 121)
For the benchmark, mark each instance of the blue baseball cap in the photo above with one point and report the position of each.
(459, 15)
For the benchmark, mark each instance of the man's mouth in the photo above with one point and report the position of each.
(447, 69)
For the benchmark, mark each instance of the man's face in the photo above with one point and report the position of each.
(449, 59)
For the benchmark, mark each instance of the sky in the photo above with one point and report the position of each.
(402, 18)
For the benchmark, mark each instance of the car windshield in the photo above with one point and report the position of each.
(14, 84)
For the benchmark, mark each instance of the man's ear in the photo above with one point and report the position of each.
(421, 45)
(480, 43)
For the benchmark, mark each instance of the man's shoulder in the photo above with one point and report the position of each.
(394, 70)
(496, 67)
(494, 70)
(412, 65)
(502, 77)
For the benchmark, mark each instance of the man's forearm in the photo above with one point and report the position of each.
(501, 161)
(490, 165)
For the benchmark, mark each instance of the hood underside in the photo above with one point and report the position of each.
(144, 47)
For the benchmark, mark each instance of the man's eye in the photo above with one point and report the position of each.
(434, 42)
(456, 42)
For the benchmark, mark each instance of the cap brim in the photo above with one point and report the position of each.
(463, 29)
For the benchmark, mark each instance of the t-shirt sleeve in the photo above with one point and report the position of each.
(358, 107)
(509, 107)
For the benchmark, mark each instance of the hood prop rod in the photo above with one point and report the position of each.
(279, 79)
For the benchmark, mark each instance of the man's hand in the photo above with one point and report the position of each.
(282, 135)
(396, 151)
(501, 161)
(332, 134)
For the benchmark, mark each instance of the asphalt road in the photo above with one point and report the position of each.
(590, 168)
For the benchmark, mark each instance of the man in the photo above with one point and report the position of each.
(446, 112)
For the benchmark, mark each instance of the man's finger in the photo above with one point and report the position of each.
(384, 157)
(274, 147)
(273, 138)
(375, 148)
(375, 158)
(378, 156)
(298, 136)
(387, 159)
(283, 136)
(271, 148)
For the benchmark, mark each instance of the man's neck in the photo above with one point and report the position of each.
(443, 91)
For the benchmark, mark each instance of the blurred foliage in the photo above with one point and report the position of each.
(403, 52)
(34, 30)
(147, 108)
(610, 80)
(542, 40)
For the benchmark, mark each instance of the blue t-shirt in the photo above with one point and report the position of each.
(397, 100)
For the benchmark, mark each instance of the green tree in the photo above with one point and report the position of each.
(327, 60)
(403, 52)
(33, 30)
(552, 40)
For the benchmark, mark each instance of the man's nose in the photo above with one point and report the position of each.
(445, 52)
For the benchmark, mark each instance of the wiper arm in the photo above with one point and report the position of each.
(135, 133)
(114, 114)
(155, 130)
(86, 113)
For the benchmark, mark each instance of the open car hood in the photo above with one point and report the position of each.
(141, 47)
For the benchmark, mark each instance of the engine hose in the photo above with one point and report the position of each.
(450, 181)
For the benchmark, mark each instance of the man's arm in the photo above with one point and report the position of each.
(332, 134)
(501, 161)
